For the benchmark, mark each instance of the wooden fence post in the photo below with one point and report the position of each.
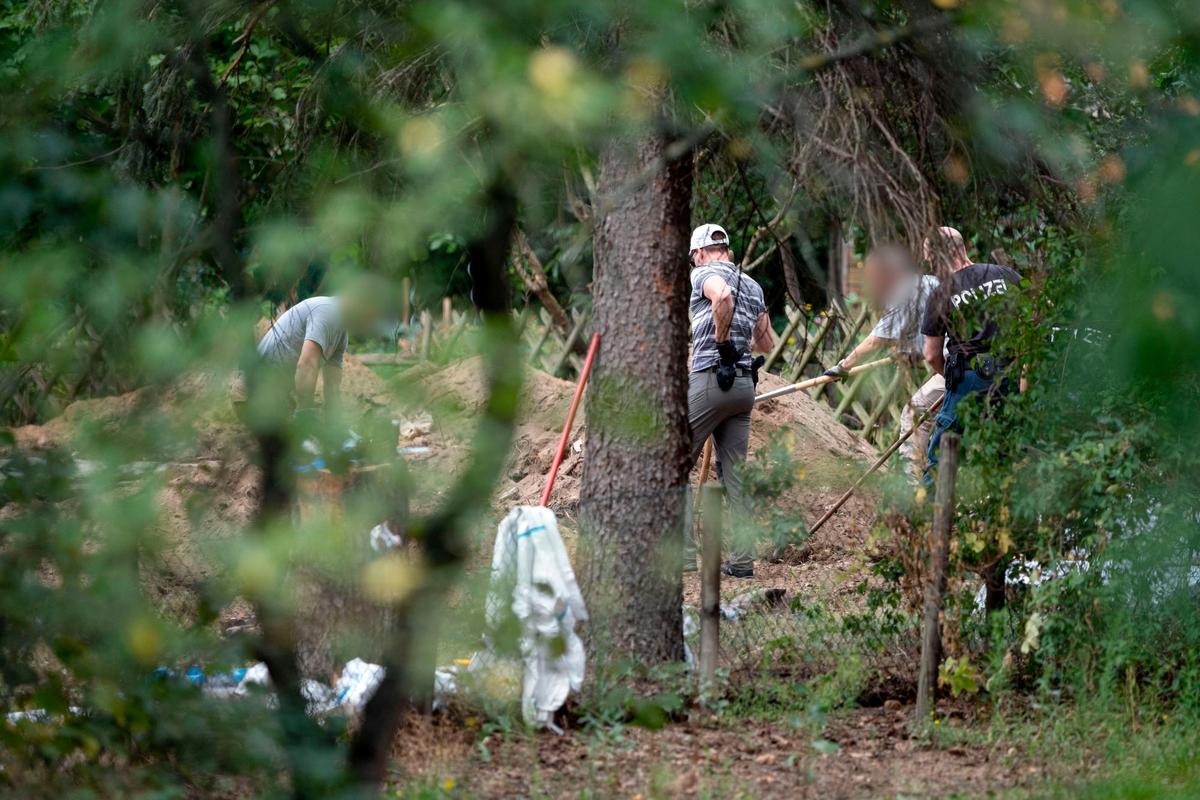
(710, 586)
(793, 323)
(405, 301)
(848, 395)
(568, 348)
(426, 335)
(939, 554)
(852, 332)
(813, 344)
(885, 403)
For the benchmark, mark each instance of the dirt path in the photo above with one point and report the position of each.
(865, 753)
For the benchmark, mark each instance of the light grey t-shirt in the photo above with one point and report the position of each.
(901, 322)
(317, 319)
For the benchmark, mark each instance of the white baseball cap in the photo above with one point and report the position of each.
(708, 235)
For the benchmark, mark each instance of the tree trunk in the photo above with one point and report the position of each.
(635, 473)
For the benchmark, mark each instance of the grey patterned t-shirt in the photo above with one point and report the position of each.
(315, 319)
(748, 305)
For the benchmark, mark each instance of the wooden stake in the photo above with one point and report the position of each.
(705, 462)
(885, 402)
(813, 343)
(793, 323)
(537, 348)
(710, 586)
(848, 395)
(446, 309)
(405, 307)
(849, 342)
(943, 522)
(569, 347)
(426, 334)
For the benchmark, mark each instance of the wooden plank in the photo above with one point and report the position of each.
(382, 358)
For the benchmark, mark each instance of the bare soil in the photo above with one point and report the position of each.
(864, 753)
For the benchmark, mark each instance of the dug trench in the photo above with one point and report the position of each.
(209, 491)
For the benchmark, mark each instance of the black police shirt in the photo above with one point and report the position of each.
(966, 307)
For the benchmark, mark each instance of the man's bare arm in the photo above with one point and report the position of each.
(307, 369)
(331, 381)
(763, 340)
(867, 345)
(721, 297)
(933, 354)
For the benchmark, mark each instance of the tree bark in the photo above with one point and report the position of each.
(635, 473)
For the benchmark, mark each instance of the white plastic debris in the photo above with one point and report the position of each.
(356, 685)
(763, 599)
(532, 579)
(358, 681)
(257, 675)
(40, 715)
(691, 626)
(445, 685)
(319, 699)
(383, 539)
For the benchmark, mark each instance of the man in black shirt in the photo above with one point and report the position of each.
(963, 315)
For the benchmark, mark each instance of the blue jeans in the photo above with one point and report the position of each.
(971, 384)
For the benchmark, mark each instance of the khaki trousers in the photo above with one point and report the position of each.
(914, 450)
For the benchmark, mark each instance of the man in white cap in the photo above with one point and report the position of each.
(729, 321)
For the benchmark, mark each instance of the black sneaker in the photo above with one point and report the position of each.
(737, 570)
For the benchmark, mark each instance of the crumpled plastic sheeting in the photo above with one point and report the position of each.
(691, 626)
(532, 579)
(383, 539)
(356, 685)
(349, 695)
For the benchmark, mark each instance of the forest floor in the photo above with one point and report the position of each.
(858, 753)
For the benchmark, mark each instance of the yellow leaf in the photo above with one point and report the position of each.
(552, 70)
(389, 579)
(255, 572)
(143, 640)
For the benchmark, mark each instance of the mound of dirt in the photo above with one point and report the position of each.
(212, 488)
(829, 456)
(829, 566)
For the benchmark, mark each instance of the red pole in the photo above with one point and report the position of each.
(566, 434)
